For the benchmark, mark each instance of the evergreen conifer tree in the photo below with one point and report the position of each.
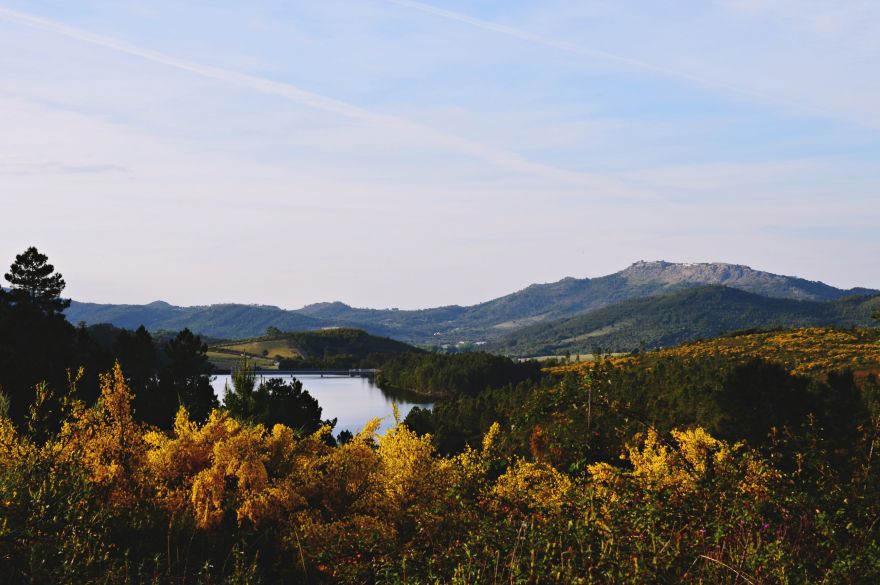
(34, 282)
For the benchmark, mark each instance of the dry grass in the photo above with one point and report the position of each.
(225, 360)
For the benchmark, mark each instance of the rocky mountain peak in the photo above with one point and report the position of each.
(693, 273)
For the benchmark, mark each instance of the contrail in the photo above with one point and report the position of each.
(497, 157)
(600, 54)
(232, 77)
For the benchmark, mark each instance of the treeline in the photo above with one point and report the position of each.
(335, 362)
(43, 356)
(40, 348)
(445, 375)
(438, 375)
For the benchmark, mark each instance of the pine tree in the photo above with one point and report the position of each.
(34, 282)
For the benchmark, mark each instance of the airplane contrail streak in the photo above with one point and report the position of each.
(599, 54)
(498, 157)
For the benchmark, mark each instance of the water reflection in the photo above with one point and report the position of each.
(352, 401)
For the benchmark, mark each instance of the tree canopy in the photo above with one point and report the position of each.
(34, 282)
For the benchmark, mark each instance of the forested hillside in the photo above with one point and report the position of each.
(801, 350)
(666, 320)
(227, 321)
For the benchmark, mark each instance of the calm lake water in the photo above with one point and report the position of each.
(353, 401)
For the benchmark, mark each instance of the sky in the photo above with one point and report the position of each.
(399, 153)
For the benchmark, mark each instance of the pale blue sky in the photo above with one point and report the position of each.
(400, 153)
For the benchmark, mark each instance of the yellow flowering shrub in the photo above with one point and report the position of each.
(174, 460)
(224, 466)
(660, 466)
(340, 480)
(533, 486)
(13, 447)
(107, 441)
(607, 481)
(407, 469)
(468, 468)
(677, 468)
(385, 508)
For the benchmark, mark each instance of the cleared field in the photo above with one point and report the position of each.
(271, 347)
(225, 360)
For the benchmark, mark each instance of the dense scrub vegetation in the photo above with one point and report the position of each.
(107, 498)
(582, 418)
(444, 375)
(805, 350)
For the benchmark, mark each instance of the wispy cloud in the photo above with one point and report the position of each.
(599, 54)
(599, 185)
(219, 74)
(60, 169)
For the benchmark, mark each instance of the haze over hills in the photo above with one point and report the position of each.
(538, 303)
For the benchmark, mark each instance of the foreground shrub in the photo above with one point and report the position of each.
(107, 499)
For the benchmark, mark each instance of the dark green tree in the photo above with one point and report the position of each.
(273, 402)
(137, 354)
(287, 403)
(183, 380)
(37, 344)
(240, 398)
(34, 282)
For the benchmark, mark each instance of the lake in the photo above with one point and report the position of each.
(352, 401)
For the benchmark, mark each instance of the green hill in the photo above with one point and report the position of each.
(666, 320)
(336, 347)
(226, 321)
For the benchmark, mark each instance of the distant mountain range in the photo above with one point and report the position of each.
(225, 321)
(525, 312)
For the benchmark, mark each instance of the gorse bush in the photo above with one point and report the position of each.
(106, 498)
